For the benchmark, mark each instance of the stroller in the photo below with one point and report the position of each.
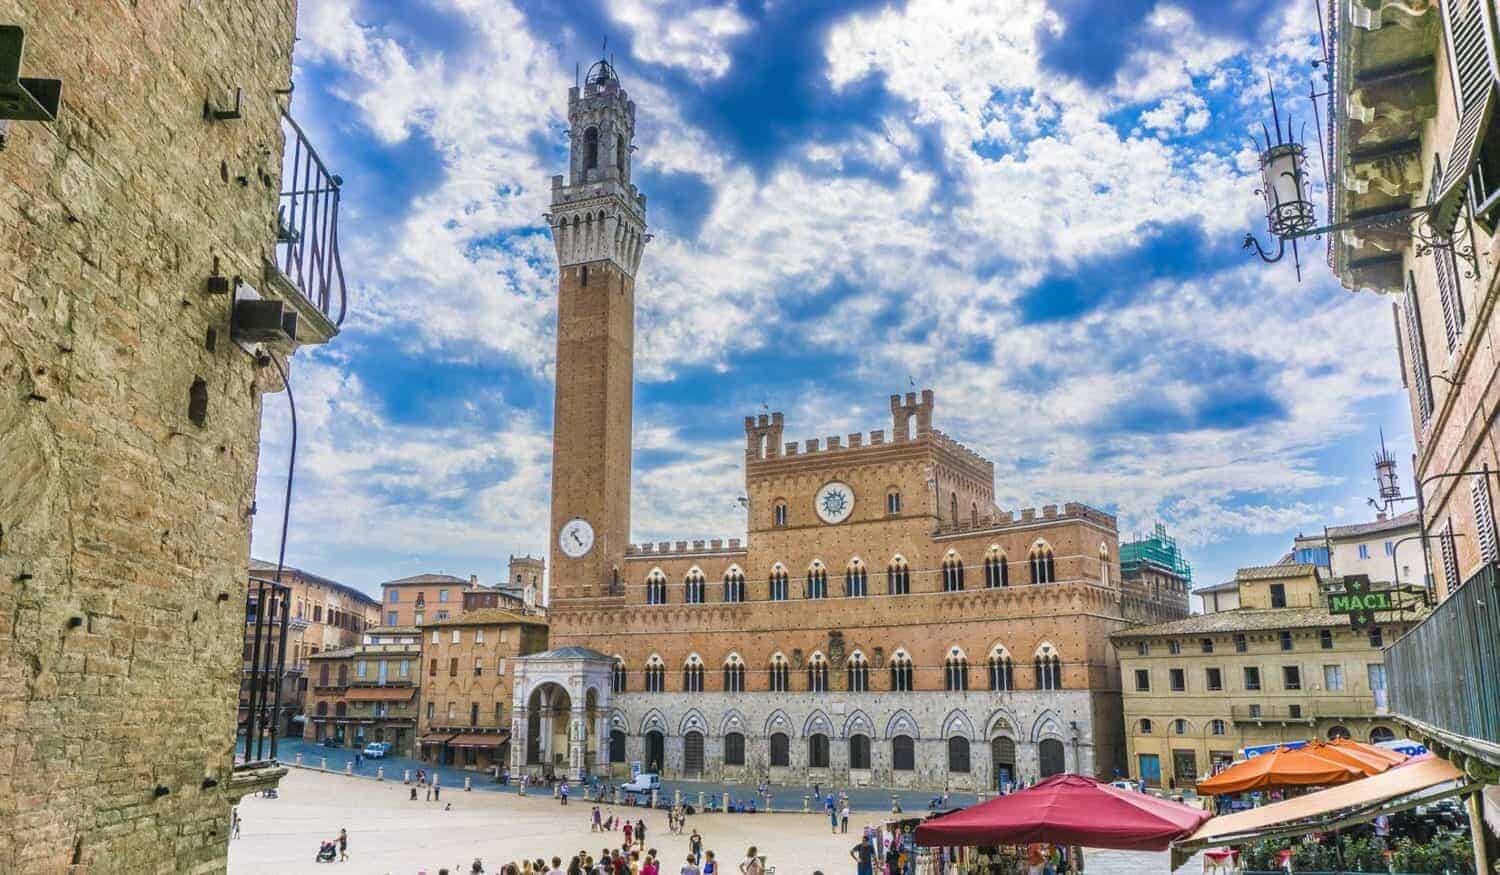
(328, 852)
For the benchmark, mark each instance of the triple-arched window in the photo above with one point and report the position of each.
(898, 577)
(781, 674)
(996, 569)
(956, 672)
(1002, 670)
(855, 580)
(692, 675)
(1043, 565)
(778, 583)
(953, 573)
(692, 587)
(734, 584)
(656, 675)
(618, 675)
(656, 587)
(817, 674)
(859, 673)
(817, 581)
(734, 674)
(1048, 668)
(901, 674)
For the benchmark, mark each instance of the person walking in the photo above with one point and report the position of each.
(863, 856)
(752, 864)
(436, 792)
(844, 819)
(695, 845)
(640, 832)
(414, 793)
(563, 793)
(629, 831)
(595, 820)
(429, 792)
(833, 819)
(710, 865)
(234, 822)
(691, 866)
(343, 846)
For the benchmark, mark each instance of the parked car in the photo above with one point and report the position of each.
(331, 741)
(1125, 785)
(377, 750)
(645, 782)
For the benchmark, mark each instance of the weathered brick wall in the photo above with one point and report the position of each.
(125, 525)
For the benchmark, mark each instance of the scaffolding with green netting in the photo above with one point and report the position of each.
(1158, 549)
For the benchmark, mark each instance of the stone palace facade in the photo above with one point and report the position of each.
(884, 623)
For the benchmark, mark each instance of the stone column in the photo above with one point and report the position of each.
(601, 745)
(578, 765)
(519, 741)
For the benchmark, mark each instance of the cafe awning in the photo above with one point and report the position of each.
(479, 739)
(436, 738)
(379, 694)
(1422, 780)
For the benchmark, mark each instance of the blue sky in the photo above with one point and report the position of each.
(1034, 208)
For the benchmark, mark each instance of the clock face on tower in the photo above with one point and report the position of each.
(576, 538)
(834, 502)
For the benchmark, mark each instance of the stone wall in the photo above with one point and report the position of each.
(124, 520)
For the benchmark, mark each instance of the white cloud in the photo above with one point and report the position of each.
(675, 34)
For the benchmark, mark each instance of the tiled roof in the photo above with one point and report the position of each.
(487, 617)
(570, 652)
(334, 654)
(1406, 520)
(1240, 620)
(262, 568)
(393, 630)
(1226, 586)
(426, 578)
(1271, 572)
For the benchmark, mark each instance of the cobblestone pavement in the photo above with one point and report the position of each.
(391, 835)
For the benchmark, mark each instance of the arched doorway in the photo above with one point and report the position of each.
(1053, 760)
(656, 751)
(616, 746)
(548, 715)
(692, 753)
(1003, 762)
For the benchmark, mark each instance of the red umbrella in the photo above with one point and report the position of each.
(1067, 810)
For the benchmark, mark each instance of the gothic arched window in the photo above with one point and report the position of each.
(817, 674)
(817, 581)
(591, 148)
(778, 583)
(656, 587)
(692, 587)
(956, 672)
(996, 569)
(1043, 565)
(620, 150)
(619, 675)
(778, 514)
(901, 679)
(781, 675)
(898, 577)
(1048, 669)
(656, 675)
(953, 573)
(734, 674)
(1002, 670)
(692, 675)
(859, 673)
(854, 580)
(734, 585)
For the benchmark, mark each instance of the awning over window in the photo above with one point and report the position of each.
(436, 738)
(380, 694)
(1421, 780)
(475, 739)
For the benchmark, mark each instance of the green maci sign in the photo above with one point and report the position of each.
(1352, 603)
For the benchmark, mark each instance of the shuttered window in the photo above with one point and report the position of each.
(1470, 51)
(1445, 265)
(1484, 517)
(1450, 556)
(1418, 349)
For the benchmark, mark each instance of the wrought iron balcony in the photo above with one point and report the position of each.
(1444, 674)
(307, 271)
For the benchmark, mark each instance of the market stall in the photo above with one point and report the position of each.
(1313, 765)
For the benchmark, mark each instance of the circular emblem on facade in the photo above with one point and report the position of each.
(834, 502)
(576, 538)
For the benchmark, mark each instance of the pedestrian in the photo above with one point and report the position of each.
(234, 822)
(343, 846)
(436, 792)
(557, 868)
(629, 831)
(564, 793)
(752, 864)
(595, 820)
(640, 832)
(833, 818)
(691, 866)
(429, 792)
(414, 793)
(844, 818)
(695, 845)
(710, 865)
(863, 856)
(650, 867)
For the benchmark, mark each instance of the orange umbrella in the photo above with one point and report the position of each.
(1280, 768)
(1370, 760)
(1394, 757)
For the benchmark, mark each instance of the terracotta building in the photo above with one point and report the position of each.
(884, 623)
(321, 615)
(1275, 668)
(368, 691)
(423, 598)
(466, 684)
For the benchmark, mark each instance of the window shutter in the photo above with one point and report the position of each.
(1484, 517)
(1472, 65)
(1445, 266)
(1418, 352)
(1450, 556)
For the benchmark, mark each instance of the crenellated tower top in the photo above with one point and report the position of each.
(597, 212)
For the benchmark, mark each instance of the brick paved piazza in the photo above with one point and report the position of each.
(391, 835)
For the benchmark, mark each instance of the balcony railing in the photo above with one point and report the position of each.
(1326, 709)
(307, 226)
(1445, 672)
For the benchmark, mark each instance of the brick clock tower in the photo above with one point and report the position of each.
(598, 222)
